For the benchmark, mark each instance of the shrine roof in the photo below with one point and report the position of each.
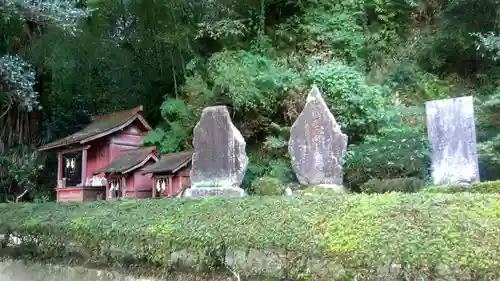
(101, 126)
(170, 163)
(130, 160)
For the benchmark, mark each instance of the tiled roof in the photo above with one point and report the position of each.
(170, 162)
(101, 126)
(129, 160)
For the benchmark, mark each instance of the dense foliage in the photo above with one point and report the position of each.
(376, 62)
(21, 175)
(390, 236)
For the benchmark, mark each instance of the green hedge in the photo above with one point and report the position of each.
(475, 187)
(389, 236)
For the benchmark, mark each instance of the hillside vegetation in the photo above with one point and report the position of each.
(376, 61)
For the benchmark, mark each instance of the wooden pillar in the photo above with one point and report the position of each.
(154, 186)
(59, 169)
(170, 185)
(123, 186)
(84, 167)
(108, 185)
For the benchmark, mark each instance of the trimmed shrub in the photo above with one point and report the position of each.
(390, 236)
(449, 188)
(486, 187)
(268, 186)
(406, 185)
(475, 187)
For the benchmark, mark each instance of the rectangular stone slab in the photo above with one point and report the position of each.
(452, 135)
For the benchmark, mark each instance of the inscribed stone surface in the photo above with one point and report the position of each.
(452, 134)
(316, 144)
(219, 157)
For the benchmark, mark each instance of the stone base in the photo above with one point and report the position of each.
(451, 173)
(464, 185)
(214, 191)
(337, 188)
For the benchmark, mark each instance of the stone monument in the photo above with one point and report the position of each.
(219, 159)
(452, 134)
(316, 144)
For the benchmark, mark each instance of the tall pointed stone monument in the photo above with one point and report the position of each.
(452, 134)
(219, 159)
(316, 144)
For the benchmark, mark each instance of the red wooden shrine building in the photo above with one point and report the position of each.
(105, 160)
(170, 173)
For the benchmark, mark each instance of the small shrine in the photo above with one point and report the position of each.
(170, 174)
(123, 176)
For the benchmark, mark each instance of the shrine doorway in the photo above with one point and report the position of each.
(116, 187)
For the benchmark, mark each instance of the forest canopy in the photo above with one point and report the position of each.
(376, 62)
